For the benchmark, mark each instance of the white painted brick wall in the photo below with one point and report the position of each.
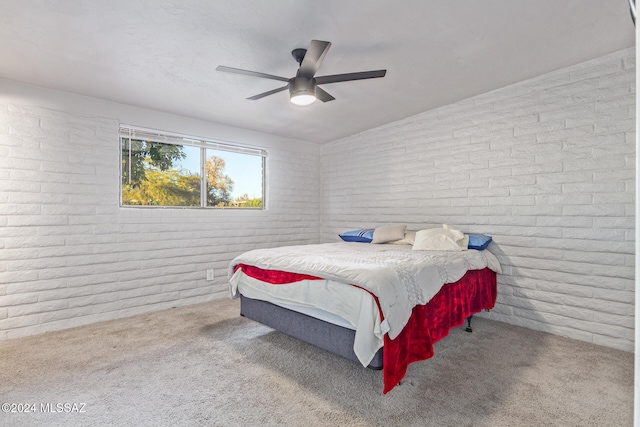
(70, 256)
(546, 166)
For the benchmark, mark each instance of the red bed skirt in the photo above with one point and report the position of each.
(429, 323)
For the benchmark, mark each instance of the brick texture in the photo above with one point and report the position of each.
(69, 255)
(545, 166)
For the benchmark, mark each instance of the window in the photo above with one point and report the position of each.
(161, 169)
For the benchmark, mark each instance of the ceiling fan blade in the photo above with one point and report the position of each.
(335, 78)
(313, 58)
(323, 95)
(271, 92)
(250, 73)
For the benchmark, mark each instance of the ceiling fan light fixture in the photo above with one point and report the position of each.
(302, 91)
(303, 99)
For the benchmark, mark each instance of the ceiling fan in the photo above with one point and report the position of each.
(303, 88)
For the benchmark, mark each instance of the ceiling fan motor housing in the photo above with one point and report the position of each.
(302, 86)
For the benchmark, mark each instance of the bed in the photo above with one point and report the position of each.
(382, 305)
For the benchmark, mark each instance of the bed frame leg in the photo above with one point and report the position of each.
(469, 328)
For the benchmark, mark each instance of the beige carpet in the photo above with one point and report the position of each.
(206, 365)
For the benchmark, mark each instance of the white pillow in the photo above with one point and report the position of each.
(441, 239)
(388, 233)
(409, 239)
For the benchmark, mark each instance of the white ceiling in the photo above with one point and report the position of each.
(162, 54)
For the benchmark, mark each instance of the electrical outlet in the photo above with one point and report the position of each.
(210, 274)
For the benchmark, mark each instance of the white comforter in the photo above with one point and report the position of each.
(399, 277)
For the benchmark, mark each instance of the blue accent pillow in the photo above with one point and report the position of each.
(364, 235)
(478, 241)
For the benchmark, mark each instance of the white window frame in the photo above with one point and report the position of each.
(153, 135)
